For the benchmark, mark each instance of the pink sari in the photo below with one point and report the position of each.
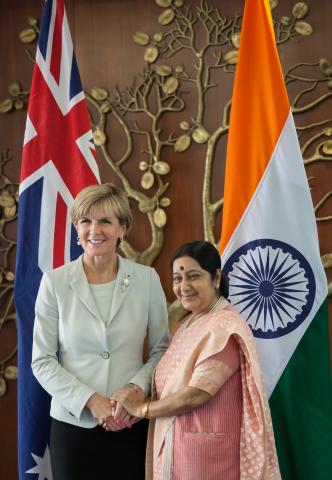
(231, 436)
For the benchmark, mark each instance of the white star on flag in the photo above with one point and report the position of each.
(43, 466)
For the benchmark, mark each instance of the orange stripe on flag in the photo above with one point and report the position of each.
(260, 108)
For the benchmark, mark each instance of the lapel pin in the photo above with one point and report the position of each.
(125, 282)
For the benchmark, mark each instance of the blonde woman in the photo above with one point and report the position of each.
(92, 317)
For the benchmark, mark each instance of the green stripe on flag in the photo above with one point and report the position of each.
(301, 407)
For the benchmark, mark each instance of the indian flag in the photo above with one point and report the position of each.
(269, 249)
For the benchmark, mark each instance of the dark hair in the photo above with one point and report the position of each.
(207, 256)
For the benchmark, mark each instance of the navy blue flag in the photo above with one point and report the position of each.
(58, 161)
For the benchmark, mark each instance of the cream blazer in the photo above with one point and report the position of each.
(76, 354)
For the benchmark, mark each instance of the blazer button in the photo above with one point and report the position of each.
(105, 355)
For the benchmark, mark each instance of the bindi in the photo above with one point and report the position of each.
(181, 267)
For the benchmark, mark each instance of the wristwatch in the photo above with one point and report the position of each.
(145, 409)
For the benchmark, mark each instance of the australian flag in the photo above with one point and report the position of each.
(58, 161)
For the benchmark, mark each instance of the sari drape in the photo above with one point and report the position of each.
(189, 348)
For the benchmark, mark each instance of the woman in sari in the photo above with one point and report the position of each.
(209, 416)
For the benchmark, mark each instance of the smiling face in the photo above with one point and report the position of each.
(193, 285)
(99, 232)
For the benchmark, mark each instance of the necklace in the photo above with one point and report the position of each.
(214, 306)
(189, 321)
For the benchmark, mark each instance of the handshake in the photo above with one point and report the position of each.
(121, 410)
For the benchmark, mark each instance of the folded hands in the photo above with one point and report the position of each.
(122, 410)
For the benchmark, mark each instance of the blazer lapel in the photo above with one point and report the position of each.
(123, 284)
(79, 283)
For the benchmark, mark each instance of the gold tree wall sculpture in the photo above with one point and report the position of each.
(8, 216)
(212, 41)
(191, 53)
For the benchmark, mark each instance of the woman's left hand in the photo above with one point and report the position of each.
(110, 425)
(131, 400)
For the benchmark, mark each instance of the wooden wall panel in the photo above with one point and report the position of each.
(102, 35)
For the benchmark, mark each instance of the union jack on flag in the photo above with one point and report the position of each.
(58, 161)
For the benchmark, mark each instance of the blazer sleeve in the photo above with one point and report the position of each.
(158, 333)
(58, 382)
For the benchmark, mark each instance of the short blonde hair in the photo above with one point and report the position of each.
(106, 197)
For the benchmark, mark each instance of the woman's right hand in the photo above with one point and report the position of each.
(100, 407)
(126, 421)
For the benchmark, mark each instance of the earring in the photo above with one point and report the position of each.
(78, 240)
(121, 241)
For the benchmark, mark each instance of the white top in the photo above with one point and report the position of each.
(103, 296)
